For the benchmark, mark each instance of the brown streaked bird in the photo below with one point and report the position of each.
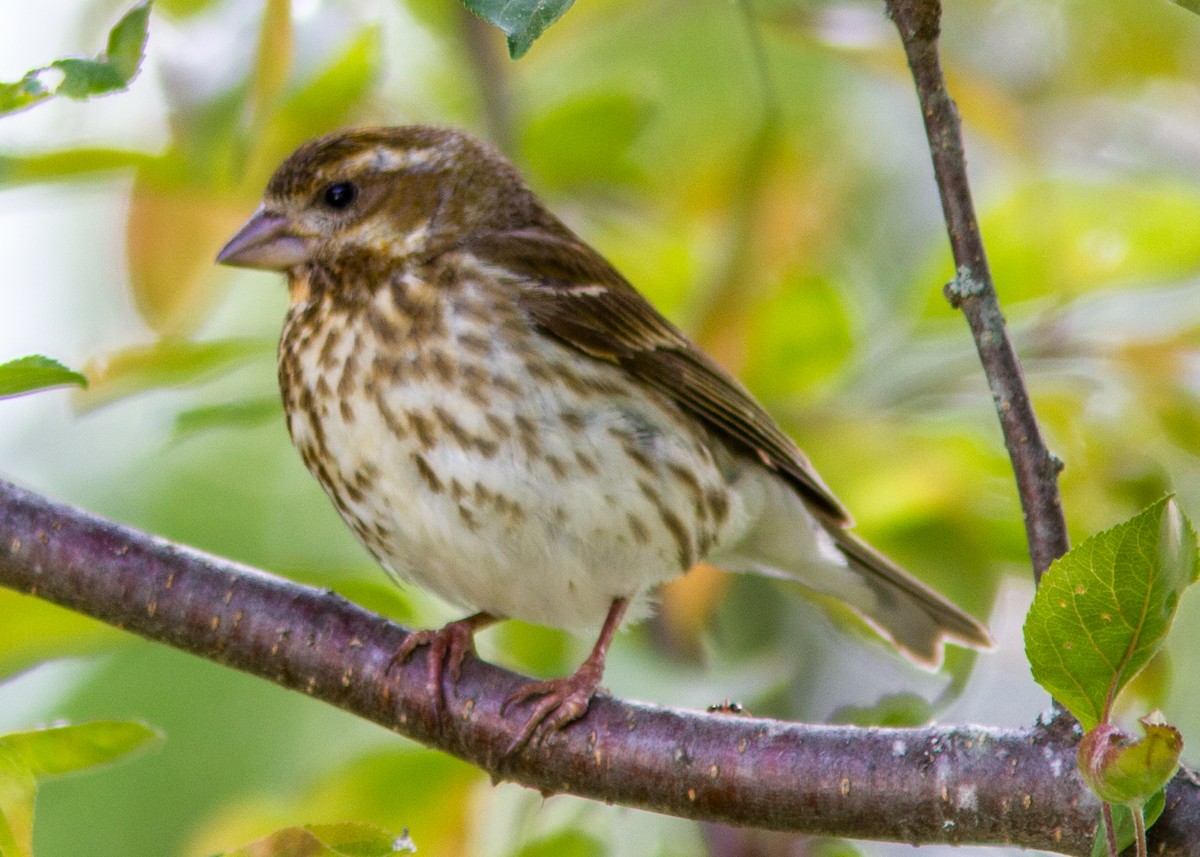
(504, 421)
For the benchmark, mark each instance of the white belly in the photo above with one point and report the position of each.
(506, 490)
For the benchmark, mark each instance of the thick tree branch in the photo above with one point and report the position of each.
(973, 291)
(938, 784)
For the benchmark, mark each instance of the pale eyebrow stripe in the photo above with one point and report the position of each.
(383, 159)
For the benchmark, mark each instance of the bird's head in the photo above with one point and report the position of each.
(380, 193)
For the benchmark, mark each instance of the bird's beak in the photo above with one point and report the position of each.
(268, 241)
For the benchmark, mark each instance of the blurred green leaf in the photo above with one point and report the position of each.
(168, 362)
(35, 631)
(355, 839)
(534, 648)
(894, 709)
(400, 787)
(18, 789)
(583, 144)
(26, 757)
(328, 840)
(330, 97)
(59, 750)
(26, 374)
(127, 41)
(428, 792)
(273, 61)
(1123, 824)
(521, 21)
(1070, 238)
(1103, 610)
(250, 412)
(1190, 5)
(835, 848)
(802, 337)
(83, 78)
(567, 843)
(24, 93)
(182, 8)
(67, 165)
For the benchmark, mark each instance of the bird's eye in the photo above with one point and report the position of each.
(340, 195)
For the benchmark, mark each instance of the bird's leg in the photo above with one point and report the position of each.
(565, 700)
(447, 648)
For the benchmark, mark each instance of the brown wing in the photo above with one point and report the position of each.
(574, 294)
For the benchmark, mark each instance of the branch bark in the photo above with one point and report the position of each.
(960, 785)
(973, 291)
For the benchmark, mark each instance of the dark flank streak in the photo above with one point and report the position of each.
(427, 473)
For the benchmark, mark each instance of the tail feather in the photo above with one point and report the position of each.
(783, 536)
(913, 616)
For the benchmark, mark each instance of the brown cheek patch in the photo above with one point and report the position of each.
(411, 199)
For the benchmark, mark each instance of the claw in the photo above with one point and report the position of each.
(565, 700)
(448, 646)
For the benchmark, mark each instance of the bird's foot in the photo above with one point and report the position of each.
(563, 701)
(448, 646)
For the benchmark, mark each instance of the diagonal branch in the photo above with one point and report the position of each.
(938, 784)
(973, 291)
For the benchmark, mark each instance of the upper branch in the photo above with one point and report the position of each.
(937, 784)
(973, 291)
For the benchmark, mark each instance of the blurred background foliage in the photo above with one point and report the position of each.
(759, 170)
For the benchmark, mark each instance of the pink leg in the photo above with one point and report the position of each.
(447, 648)
(565, 700)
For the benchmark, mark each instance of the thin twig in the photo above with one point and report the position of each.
(973, 291)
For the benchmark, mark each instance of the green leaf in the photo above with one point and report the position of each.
(66, 749)
(585, 143)
(1071, 238)
(357, 839)
(243, 414)
(18, 788)
(1190, 5)
(183, 8)
(802, 337)
(83, 77)
(328, 840)
(567, 843)
(169, 362)
(67, 165)
(894, 709)
(521, 21)
(330, 96)
(25, 92)
(835, 848)
(35, 631)
(1123, 824)
(127, 41)
(80, 77)
(25, 757)
(26, 374)
(1120, 769)
(1103, 609)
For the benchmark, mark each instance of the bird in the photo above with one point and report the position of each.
(505, 421)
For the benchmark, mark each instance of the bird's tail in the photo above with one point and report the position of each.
(786, 538)
(912, 615)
